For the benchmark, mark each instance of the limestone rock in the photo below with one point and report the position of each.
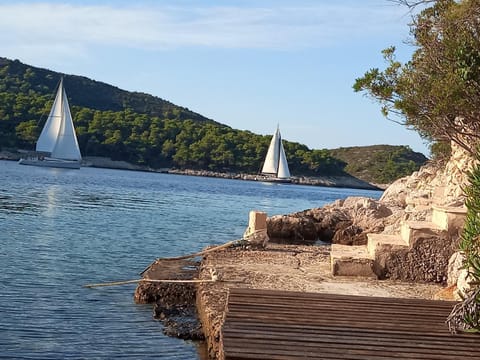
(351, 235)
(411, 198)
(458, 276)
(343, 222)
(291, 227)
(396, 193)
(455, 264)
(463, 283)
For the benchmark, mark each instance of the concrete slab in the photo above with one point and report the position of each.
(349, 260)
(384, 242)
(411, 230)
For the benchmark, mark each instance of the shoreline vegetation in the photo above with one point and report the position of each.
(346, 181)
(143, 129)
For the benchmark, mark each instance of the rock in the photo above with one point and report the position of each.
(351, 235)
(341, 222)
(294, 228)
(411, 198)
(463, 284)
(458, 276)
(179, 321)
(455, 264)
(396, 193)
(328, 221)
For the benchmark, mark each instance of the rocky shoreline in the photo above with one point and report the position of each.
(345, 181)
(425, 268)
(303, 268)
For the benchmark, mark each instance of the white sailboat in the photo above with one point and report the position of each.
(275, 167)
(57, 145)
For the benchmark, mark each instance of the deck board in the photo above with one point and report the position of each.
(268, 324)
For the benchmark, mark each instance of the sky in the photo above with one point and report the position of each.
(249, 64)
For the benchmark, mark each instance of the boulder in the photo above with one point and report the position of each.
(343, 222)
(455, 264)
(294, 228)
(463, 284)
(351, 235)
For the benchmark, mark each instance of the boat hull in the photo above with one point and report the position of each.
(55, 163)
(275, 180)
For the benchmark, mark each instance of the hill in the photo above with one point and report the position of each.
(85, 92)
(380, 164)
(151, 132)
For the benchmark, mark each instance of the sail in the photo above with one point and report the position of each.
(48, 137)
(58, 135)
(270, 166)
(66, 146)
(283, 171)
(276, 161)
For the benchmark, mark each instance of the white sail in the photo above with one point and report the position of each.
(66, 146)
(270, 166)
(48, 137)
(57, 145)
(276, 161)
(283, 171)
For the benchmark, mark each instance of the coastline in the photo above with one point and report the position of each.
(345, 181)
(285, 267)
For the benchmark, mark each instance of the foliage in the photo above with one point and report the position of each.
(440, 151)
(437, 92)
(379, 164)
(152, 132)
(467, 315)
(138, 128)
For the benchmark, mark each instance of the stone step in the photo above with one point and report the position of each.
(412, 230)
(418, 208)
(349, 260)
(449, 217)
(418, 201)
(384, 242)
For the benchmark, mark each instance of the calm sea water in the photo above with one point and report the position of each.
(62, 229)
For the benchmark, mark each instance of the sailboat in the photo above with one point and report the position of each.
(275, 167)
(57, 145)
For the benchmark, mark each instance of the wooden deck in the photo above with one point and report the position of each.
(264, 324)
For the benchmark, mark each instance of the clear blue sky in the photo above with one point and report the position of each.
(250, 64)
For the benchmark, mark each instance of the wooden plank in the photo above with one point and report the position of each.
(308, 350)
(416, 346)
(308, 331)
(353, 338)
(266, 324)
(352, 332)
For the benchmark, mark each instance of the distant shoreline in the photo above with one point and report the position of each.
(326, 181)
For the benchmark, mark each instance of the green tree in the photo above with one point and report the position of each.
(27, 132)
(437, 92)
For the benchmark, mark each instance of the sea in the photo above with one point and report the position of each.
(62, 229)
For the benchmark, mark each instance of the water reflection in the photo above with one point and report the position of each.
(52, 194)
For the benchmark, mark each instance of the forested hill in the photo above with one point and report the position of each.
(146, 130)
(379, 164)
(89, 93)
